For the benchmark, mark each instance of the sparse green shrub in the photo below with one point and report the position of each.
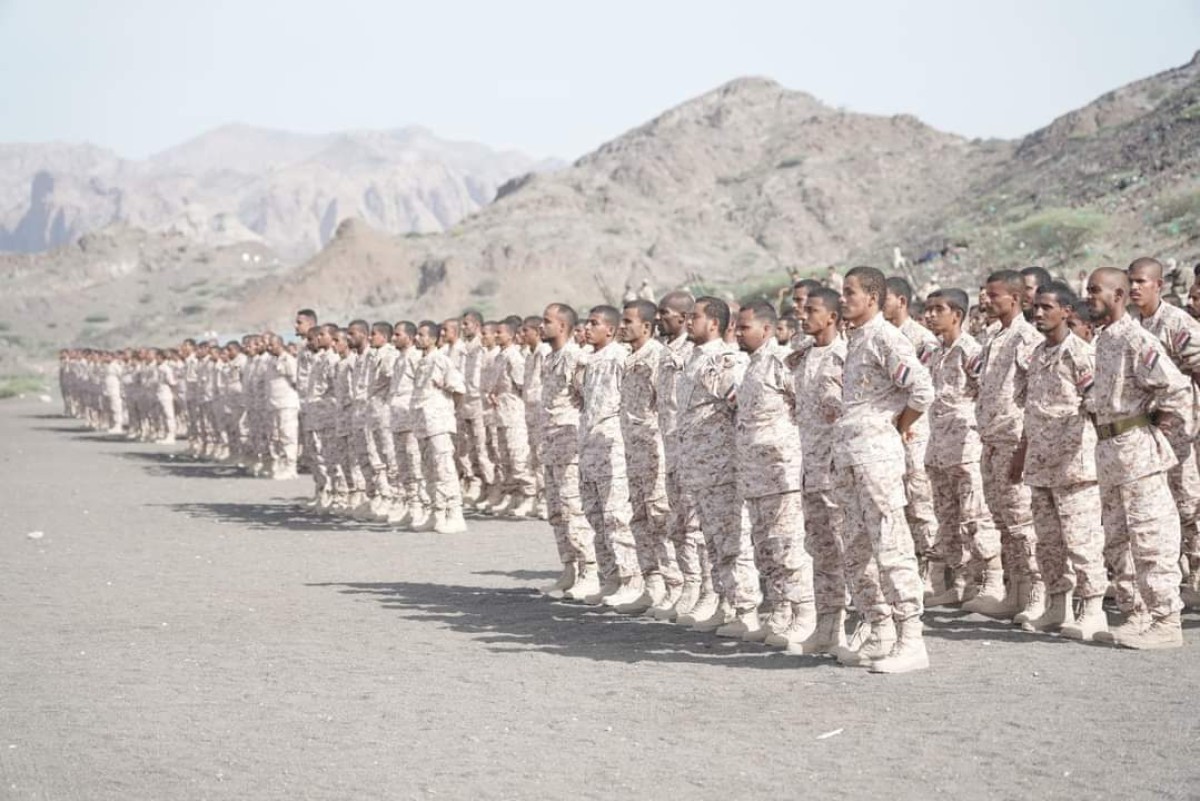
(14, 385)
(96, 318)
(192, 309)
(1059, 233)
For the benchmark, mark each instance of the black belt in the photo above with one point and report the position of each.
(1118, 427)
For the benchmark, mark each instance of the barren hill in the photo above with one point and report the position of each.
(285, 190)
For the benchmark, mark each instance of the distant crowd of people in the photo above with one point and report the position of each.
(749, 470)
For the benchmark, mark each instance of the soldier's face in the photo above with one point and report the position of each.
(1145, 287)
(341, 346)
(783, 332)
(378, 339)
(672, 321)
(1103, 296)
(1048, 315)
(470, 327)
(940, 316)
(1001, 300)
(1031, 285)
(487, 336)
(633, 328)
(532, 335)
(1080, 328)
(504, 336)
(856, 303)
(552, 325)
(302, 326)
(1193, 300)
(597, 331)
(799, 297)
(817, 317)
(891, 306)
(751, 332)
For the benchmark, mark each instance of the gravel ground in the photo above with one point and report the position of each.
(181, 632)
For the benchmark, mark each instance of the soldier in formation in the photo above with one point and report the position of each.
(743, 471)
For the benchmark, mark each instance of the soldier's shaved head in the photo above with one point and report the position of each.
(1144, 264)
(1110, 277)
(680, 301)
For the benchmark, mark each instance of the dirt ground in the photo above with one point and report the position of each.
(179, 632)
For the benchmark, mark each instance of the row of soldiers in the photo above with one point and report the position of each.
(695, 457)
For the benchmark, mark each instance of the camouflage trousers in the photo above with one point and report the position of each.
(534, 438)
(573, 535)
(605, 492)
(512, 451)
(1184, 481)
(258, 433)
(1012, 510)
(1070, 539)
(921, 511)
(1141, 544)
(441, 476)
(235, 425)
(823, 541)
(361, 443)
(114, 409)
(409, 478)
(650, 514)
(729, 545)
(381, 454)
(683, 530)
(877, 536)
(165, 414)
(316, 455)
(285, 436)
(777, 532)
(966, 531)
(343, 456)
(471, 451)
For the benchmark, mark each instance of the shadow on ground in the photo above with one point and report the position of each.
(518, 621)
(273, 516)
(520, 575)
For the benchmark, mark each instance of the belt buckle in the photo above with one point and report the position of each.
(1105, 431)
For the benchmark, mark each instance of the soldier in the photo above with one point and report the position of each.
(306, 321)
(683, 524)
(480, 473)
(1001, 414)
(1033, 277)
(435, 384)
(885, 389)
(495, 497)
(1180, 337)
(561, 402)
(359, 332)
(770, 472)
(922, 518)
(165, 397)
(284, 403)
(512, 437)
(644, 459)
(114, 402)
(413, 507)
(321, 415)
(191, 394)
(709, 465)
(1134, 377)
(344, 424)
(1058, 460)
(531, 393)
(817, 369)
(381, 448)
(786, 329)
(603, 483)
(967, 534)
(800, 291)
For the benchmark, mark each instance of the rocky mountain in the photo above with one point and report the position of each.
(284, 190)
(730, 192)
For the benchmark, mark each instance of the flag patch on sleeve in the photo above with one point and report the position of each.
(1181, 339)
(901, 375)
(1150, 359)
(1084, 382)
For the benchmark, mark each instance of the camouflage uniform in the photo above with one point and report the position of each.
(1134, 377)
(473, 460)
(645, 461)
(408, 479)
(512, 437)
(1000, 413)
(882, 376)
(920, 512)
(770, 473)
(321, 418)
(343, 450)
(381, 447)
(561, 401)
(818, 381)
(284, 403)
(603, 480)
(235, 388)
(967, 532)
(305, 359)
(532, 395)
(1180, 337)
(709, 468)
(1060, 468)
(683, 524)
(360, 420)
(435, 382)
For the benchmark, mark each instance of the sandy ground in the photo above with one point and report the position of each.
(180, 632)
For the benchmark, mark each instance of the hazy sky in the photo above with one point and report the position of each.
(554, 78)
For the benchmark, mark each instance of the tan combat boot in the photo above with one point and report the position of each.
(1131, 623)
(878, 644)
(628, 594)
(587, 582)
(452, 522)
(744, 623)
(689, 593)
(951, 595)
(653, 588)
(422, 519)
(1056, 614)
(1090, 624)
(722, 614)
(565, 581)
(523, 506)
(1035, 603)
(828, 637)
(908, 653)
(1163, 632)
(607, 587)
(799, 628)
(992, 599)
(937, 580)
(664, 606)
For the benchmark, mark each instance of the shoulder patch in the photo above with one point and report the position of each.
(902, 375)
(926, 352)
(975, 365)
(1150, 359)
(1181, 339)
(1084, 381)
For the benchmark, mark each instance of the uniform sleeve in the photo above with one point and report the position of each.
(908, 374)
(453, 380)
(1083, 373)
(1185, 344)
(516, 371)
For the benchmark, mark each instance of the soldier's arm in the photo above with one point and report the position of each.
(1022, 359)
(909, 375)
(1155, 373)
